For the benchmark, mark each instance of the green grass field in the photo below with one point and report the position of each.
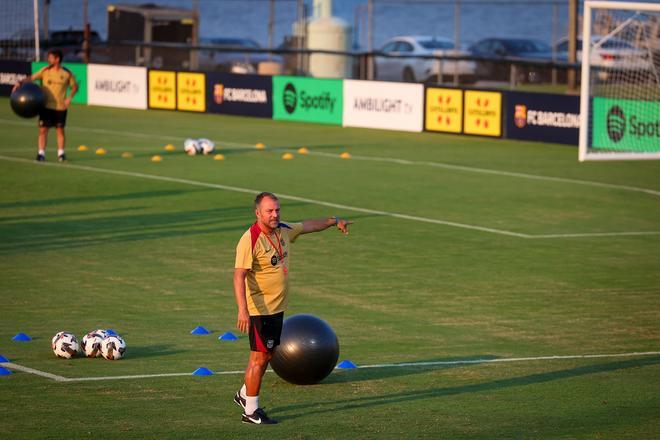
(463, 248)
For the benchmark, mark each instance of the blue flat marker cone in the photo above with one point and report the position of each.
(111, 332)
(202, 371)
(4, 371)
(346, 364)
(21, 337)
(229, 336)
(199, 330)
(3, 359)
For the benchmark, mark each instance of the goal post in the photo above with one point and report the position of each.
(620, 81)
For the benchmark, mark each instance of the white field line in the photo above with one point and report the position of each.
(371, 158)
(329, 204)
(17, 367)
(254, 191)
(57, 378)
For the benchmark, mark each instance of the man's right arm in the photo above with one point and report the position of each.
(28, 79)
(243, 321)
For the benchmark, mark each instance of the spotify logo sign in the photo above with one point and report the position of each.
(616, 123)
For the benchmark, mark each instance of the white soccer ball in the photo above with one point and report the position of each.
(191, 147)
(113, 347)
(102, 333)
(91, 343)
(65, 345)
(206, 145)
(57, 336)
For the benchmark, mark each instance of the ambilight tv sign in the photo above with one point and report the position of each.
(626, 125)
(307, 99)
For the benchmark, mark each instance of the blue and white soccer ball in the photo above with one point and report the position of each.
(91, 343)
(192, 147)
(65, 345)
(113, 347)
(206, 145)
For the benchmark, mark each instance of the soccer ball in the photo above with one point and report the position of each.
(91, 343)
(57, 336)
(206, 145)
(65, 345)
(113, 347)
(192, 147)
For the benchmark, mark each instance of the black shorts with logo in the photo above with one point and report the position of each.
(265, 332)
(52, 118)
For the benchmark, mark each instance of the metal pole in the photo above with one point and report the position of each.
(271, 25)
(457, 36)
(86, 32)
(555, 19)
(37, 49)
(45, 19)
(300, 42)
(572, 43)
(370, 39)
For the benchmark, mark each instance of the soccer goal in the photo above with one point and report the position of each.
(620, 88)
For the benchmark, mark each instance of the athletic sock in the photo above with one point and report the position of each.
(251, 404)
(243, 391)
(42, 152)
(60, 152)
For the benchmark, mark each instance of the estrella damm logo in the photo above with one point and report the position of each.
(290, 98)
(616, 123)
(520, 115)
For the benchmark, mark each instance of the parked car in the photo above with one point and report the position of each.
(217, 59)
(496, 51)
(418, 69)
(70, 41)
(609, 55)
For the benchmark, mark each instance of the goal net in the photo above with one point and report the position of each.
(620, 88)
(19, 30)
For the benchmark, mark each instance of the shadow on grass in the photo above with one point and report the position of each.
(290, 412)
(75, 233)
(99, 198)
(367, 373)
(147, 351)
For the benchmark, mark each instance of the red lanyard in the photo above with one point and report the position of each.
(277, 248)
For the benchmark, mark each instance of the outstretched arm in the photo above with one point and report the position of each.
(324, 223)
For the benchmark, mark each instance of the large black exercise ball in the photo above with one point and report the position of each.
(28, 100)
(308, 350)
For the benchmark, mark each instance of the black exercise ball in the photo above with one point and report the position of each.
(308, 350)
(28, 100)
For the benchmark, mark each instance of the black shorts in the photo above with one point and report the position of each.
(265, 332)
(52, 118)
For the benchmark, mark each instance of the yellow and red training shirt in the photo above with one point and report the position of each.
(55, 83)
(267, 261)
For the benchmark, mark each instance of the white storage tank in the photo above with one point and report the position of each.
(328, 33)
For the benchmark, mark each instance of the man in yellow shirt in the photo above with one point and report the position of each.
(55, 81)
(261, 284)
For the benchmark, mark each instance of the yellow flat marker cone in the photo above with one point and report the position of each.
(101, 151)
(156, 158)
(260, 146)
(170, 147)
(127, 155)
(83, 148)
(303, 150)
(345, 155)
(219, 157)
(287, 156)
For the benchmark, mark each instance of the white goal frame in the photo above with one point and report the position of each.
(585, 109)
